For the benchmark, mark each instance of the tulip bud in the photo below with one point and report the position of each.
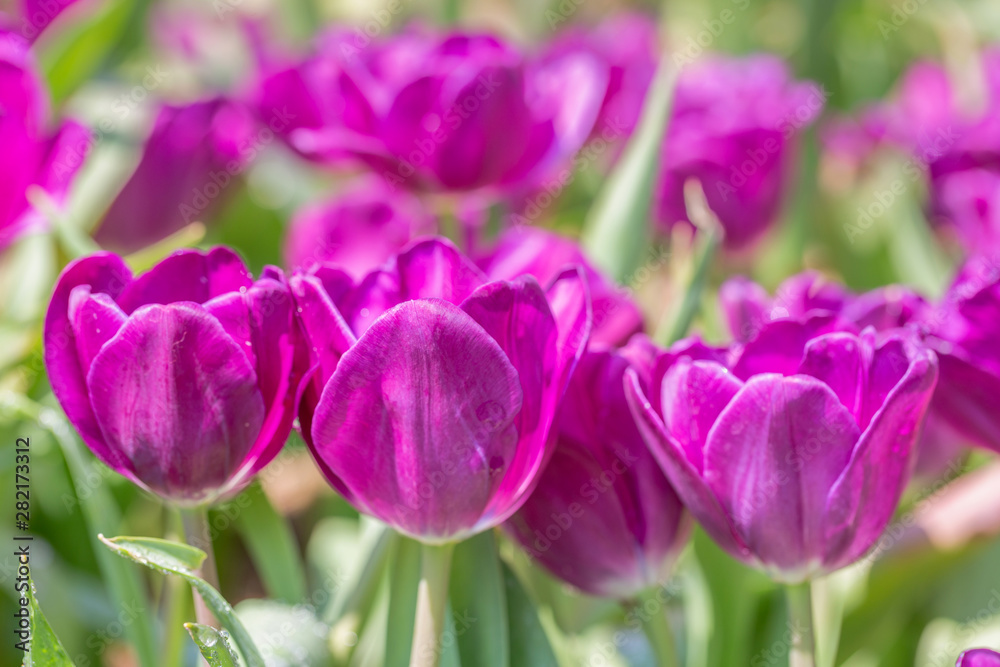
(435, 389)
(183, 379)
(979, 657)
(794, 457)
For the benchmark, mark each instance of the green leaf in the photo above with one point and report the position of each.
(44, 650)
(272, 546)
(617, 228)
(181, 560)
(479, 604)
(529, 645)
(213, 645)
(100, 512)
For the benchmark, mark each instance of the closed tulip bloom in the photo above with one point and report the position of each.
(182, 379)
(964, 333)
(793, 459)
(454, 111)
(733, 128)
(434, 389)
(32, 157)
(357, 230)
(979, 657)
(544, 254)
(603, 516)
(187, 169)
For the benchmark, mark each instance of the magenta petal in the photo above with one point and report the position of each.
(418, 419)
(839, 360)
(177, 397)
(96, 318)
(865, 496)
(684, 477)
(104, 273)
(569, 300)
(968, 397)
(694, 395)
(771, 459)
(979, 657)
(187, 275)
(745, 305)
(516, 314)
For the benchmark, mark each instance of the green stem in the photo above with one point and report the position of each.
(670, 333)
(432, 602)
(800, 616)
(271, 542)
(657, 628)
(197, 534)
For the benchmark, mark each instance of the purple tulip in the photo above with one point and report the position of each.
(434, 389)
(187, 169)
(544, 254)
(733, 128)
(438, 111)
(964, 333)
(951, 129)
(979, 657)
(603, 516)
(793, 458)
(357, 230)
(32, 158)
(748, 307)
(183, 379)
(627, 44)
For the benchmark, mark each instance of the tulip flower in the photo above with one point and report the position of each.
(603, 516)
(357, 230)
(748, 308)
(964, 332)
(187, 169)
(627, 44)
(453, 112)
(733, 128)
(435, 389)
(543, 254)
(182, 379)
(979, 657)
(794, 457)
(32, 158)
(950, 129)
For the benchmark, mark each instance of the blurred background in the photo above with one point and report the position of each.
(115, 65)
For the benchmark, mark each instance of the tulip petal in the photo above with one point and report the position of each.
(418, 420)
(96, 319)
(517, 316)
(694, 395)
(569, 300)
(103, 273)
(684, 477)
(433, 268)
(968, 397)
(864, 498)
(187, 275)
(839, 360)
(772, 458)
(174, 394)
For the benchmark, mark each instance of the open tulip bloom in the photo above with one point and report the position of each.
(182, 379)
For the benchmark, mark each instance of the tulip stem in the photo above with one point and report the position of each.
(653, 612)
(197, 534)
(432, 602)
(802, 652)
